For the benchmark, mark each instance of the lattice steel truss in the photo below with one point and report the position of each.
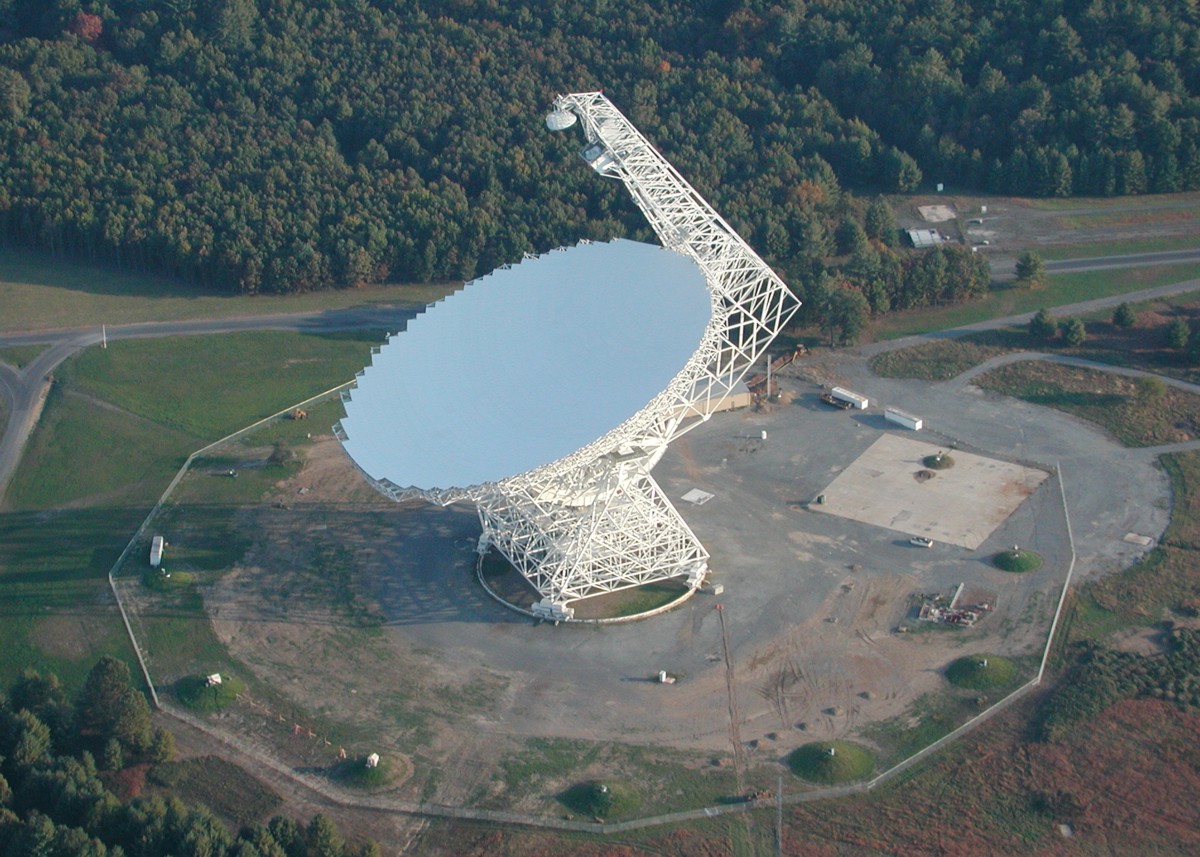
(595, 521)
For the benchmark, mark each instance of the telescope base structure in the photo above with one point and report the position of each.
(626, 534)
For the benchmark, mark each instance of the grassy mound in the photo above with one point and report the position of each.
(940, 461)
(981, 672)
(1017, 560)
(354, 772)
(814, 763)
(194, 692)
(600, 799)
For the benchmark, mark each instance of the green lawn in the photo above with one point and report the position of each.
(1093, 249)
(1079, 202)
(117, 426)
(40, 293)
(1060, 289)
(209, 386)
(18, 356)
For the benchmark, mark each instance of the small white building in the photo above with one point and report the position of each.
(156, 550)
(213, 680)
(373, 760)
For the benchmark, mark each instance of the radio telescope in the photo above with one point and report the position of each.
(545, 392)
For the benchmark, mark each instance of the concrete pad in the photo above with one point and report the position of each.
(962, 505)
(936, 213)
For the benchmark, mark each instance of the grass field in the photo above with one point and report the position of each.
(226, 789)
(939, 360)
(1094, 249)
(1115, 403)
(1060, 289)
(40, 293)
(117, 426)
(18, 356)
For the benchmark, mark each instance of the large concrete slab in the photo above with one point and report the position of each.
(888, 486)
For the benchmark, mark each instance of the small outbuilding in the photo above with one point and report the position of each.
(373, 760)
(156, 551)
(925, 238)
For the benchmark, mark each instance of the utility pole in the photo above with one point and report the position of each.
(779, 818)
(735, 737)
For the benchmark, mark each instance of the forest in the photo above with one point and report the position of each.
(62, 763)
(262, 146)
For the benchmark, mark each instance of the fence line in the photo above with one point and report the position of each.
(112, 572)
(339, 797)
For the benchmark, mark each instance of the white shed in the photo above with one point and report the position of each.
(156, 549)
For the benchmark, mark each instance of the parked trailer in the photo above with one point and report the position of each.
(899, 417)
(855, 400)
(156, 549)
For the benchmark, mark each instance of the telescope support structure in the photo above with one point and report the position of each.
(596, 521)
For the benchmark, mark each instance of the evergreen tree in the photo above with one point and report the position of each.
(1178, 334)
(1073, 332)
(1031, 269)
(1123, 316)
(1043, 327)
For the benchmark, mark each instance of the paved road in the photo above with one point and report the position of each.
(25, 389)
(1136, 260)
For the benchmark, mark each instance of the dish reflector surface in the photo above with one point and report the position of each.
(527, 365)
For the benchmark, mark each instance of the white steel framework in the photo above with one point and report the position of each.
(595, 521)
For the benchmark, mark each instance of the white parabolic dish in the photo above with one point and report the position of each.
(527, 365)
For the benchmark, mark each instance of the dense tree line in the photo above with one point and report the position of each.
(281, 145)
(1050, 99)
(55, 756)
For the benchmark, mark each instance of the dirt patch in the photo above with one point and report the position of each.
(936, 213)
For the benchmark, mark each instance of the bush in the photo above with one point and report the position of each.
(981, 672)
(816, 763)
(1124, 316)
(1017, 560)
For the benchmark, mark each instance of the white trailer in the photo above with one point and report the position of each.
(156, 549)
(854, 399)
(901, 418)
